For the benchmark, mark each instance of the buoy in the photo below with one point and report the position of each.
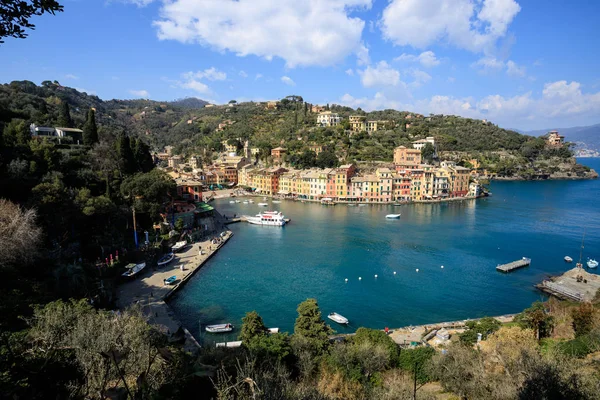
(346, 280)
(359, 278)
(417, 269)
(442, 267)
(394, 272)
(375, 275)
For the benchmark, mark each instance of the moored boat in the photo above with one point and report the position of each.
(272, 218)
(262, 204)
(340, 319)
(393, 216)
(170, 280)
(133, 270)
(219, 328)
(568, 259)
(179, 246)
(167, 258)
(232, 202)
(276, 201)
(591, 263)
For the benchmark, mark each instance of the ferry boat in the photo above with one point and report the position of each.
(220, 328)
(592, 263)
(340, 319)
(568, 259)
(133, 270)
(272, 218)
(393, 216)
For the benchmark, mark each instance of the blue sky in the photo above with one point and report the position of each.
(525, 64)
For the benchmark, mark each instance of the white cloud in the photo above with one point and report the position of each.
(451, 79)
(490, 64)
(139, 3)
(474, 25)
(350, 72)
(82, 90)
(212, 74)
(382, 74)
(319, 32)
(362, 55)
(71, 76)
(426, 58)
(420, 77)
(243, 74)
(195, 85)
(288, 81)
(193, 80)
(512, 69)
(258, 76)
(560, 103)
(140, 93)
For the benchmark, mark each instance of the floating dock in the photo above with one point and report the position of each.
(524, 262)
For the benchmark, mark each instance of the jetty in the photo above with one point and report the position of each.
(524, 262)
(576, 284)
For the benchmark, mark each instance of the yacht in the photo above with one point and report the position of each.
(272, 218)
(340, 319)
(592, 263)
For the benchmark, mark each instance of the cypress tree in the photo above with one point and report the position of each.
(143, 158)
(90, 129)
(64, 117)
(126, 155)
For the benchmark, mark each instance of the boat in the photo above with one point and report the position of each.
(276, 201)
(246, 202)
(167, 258)
(170, 280)
(271, 218)
(397, 204)
(265, 198)
(237, 201)
(178, 246)
(232, 202)
(591, 263)
(568, 259)
(262, 204)
(362, 205)
(219, 328)
(340, 319)
(393, 216)
(251, 201)
(133, 270)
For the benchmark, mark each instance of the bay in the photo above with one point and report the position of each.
(271, 270)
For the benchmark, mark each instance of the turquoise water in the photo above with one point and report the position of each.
(271, 269)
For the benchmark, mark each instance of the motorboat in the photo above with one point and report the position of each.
(170, 280)
(179, 246)
(568, 259)
(237, 201)
(592, 263)
(276, 201)
(219, 328)
(393, 216)
(262, 204)
(245, 201)
(272, 218)
(133, 270)
(265, 198)
(167, 258)
(340, 319)
(232, 202)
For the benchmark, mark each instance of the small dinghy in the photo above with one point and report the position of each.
(393, 216)
(340, 319)
(170, 280)
(568, 259)
(592, 263)
(133, 270)
(167, 258)
(262, 204)
(179, 246)
(220, 328)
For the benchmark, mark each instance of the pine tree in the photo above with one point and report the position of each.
(64, 118)
(126, 155)
(311, 327)
(252, 327)
(90, 129)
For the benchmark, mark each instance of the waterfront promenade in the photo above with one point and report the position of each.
(150, 293)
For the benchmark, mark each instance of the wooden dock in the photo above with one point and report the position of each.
(524, 262)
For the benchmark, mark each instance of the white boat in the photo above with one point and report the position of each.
(271, 218)
(133, 270)
(393, 216)
(276, 201)
(232, 202)
(265, 198)
(592, 263)
(251, 201)
(262, 204)
(246, 202)
(568, 259)
(220, 328)
(167, 258)
(237, 201)
(362, 205)
(178, 246)
(340, 319)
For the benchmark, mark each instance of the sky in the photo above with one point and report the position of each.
(522, 64)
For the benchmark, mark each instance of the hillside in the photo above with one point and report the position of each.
(586, 137)
(194, 130)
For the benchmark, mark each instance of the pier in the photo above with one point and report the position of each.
(524, 262)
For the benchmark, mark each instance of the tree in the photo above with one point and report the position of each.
(64, 117)
(486, 326)
(128, 163)
(536, 318)
(583, 319)
(15, 15)
(179, 225)
(148, 191)
(143, 158)
(19, 234)
(252, 327)
(16, 132)
(310, 326)
(427, 153)
(90, 129)
(327, 159)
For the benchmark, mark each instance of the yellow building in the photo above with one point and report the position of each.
(374, 126)
(357, 123)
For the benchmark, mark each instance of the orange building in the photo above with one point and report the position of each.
(404, 156)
